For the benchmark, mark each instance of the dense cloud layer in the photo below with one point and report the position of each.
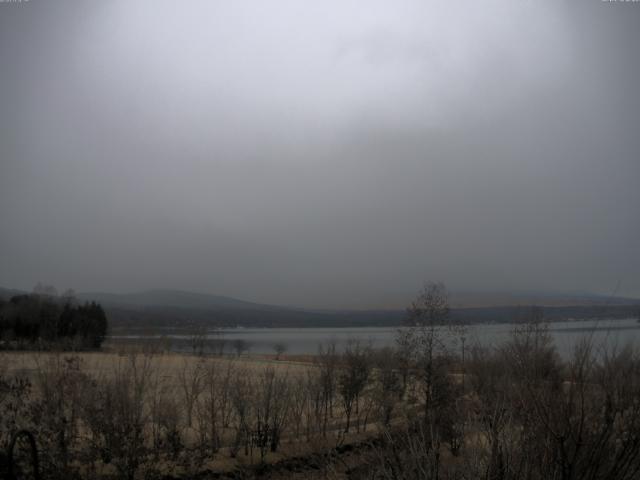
(320, 153)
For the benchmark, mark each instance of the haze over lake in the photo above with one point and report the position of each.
(566, 335)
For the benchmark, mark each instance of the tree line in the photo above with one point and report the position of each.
(43, 318)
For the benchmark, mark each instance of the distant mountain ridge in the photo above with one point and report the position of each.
(495, 299)
(186, 299)
(171, 298)
(176, 308)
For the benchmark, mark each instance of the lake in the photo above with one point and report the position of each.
(611, 333)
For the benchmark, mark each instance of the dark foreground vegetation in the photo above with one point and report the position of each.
(45, 320)
(423, 410)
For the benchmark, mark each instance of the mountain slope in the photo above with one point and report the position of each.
(176, 309)
(172, 298)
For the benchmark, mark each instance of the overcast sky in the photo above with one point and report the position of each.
(324, 154)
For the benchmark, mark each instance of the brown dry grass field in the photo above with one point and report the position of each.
(167, 364)
(303, 456)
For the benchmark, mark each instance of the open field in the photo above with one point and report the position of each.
(196, 413)
(169, 366)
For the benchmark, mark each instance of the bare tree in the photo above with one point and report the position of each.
(191, 381)
(55, 411)
(388, 384)
(425, 338)
(353, 377)
(242, 392)
(424, 342)
(271, 409)
(170, 438)
(240, 346)
(115, 414)
(315, 410)
(280, 348)
(213, 408)
(219, 342)
(198, 339)
(300, 402)
(327, 362)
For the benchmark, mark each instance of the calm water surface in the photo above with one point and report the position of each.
(610, 333)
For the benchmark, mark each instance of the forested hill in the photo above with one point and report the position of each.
(172, 308)
(177, 317)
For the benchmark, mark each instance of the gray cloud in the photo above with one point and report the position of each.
(324, 154)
